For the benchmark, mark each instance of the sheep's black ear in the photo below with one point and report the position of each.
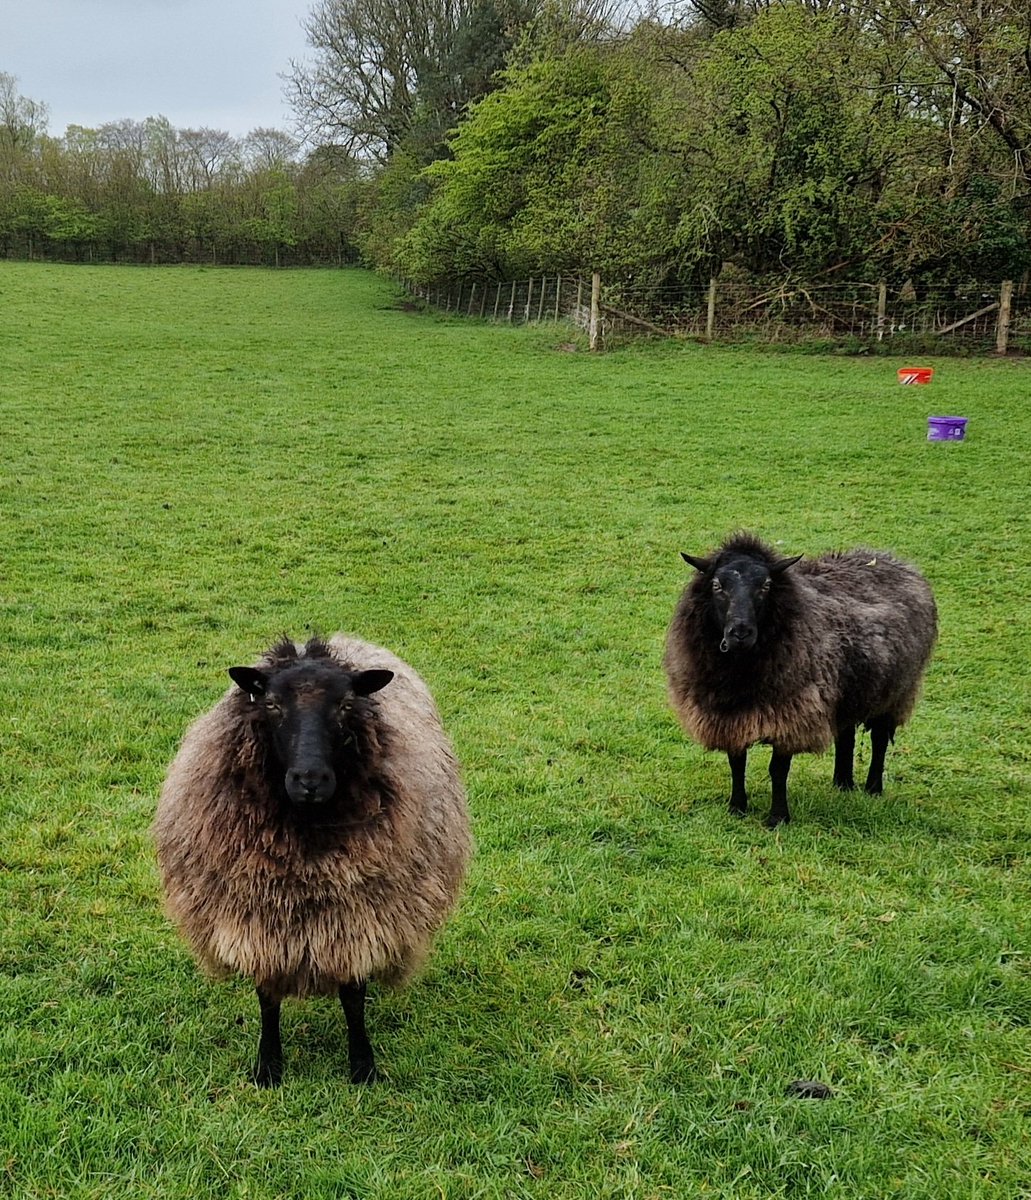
(367, 682)
(251, 681)
(699, 564)
(782, 564)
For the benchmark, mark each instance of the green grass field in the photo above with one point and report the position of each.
(196, 461)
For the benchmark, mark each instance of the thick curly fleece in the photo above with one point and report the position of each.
(302, 909)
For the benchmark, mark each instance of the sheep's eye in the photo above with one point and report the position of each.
(765, 587)
(345, 706)
(717, 586)
(273, 708)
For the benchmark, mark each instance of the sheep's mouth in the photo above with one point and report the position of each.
(309, 797)
(736, 642)
(337, 809)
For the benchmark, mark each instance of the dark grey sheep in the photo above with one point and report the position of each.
(764, 648)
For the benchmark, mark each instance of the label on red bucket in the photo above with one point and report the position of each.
(915, 374)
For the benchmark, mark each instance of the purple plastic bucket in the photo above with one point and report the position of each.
(946, 429)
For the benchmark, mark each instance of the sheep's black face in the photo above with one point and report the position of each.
(740, 588)
(739, 592)
(310, 710)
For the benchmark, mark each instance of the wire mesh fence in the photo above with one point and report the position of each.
(861, 314)
(520, 302)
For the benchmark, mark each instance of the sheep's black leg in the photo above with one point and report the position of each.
(269, 1068)
(882, 731)
(844, 754)
(780, 765)
(359, 1051)
(738, 796)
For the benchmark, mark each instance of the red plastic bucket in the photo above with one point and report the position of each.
(915, 374)
(946, 429)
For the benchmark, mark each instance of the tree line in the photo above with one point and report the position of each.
(148, 192)
(479, 140)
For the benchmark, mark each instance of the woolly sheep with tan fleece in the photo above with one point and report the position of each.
(312, 831)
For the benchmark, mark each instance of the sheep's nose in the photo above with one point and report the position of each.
(739, 633)
(313, 783)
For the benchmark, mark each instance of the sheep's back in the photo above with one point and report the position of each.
(880, 613)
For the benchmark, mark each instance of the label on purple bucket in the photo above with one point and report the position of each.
(946, 429)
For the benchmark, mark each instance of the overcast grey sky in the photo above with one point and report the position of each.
(213, 63)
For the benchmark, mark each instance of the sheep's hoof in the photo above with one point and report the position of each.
(775, 819)
(364, 1072)
(267, 1075)
(845, 785)
(874, 789)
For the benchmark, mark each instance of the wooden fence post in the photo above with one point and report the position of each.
(529, 297)
(472, 301)
(497, 300)
(511, 303)
(710, 311)
(540, 302)
(595, 306)
(882, 308)
(558, 293)
(1002, 328)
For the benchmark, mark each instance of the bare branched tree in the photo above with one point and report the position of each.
(22, 122)
(360, 91)
(128, 139)
(206, 154)
(384, 68)
(267, 149)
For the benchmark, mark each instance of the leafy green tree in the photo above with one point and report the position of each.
(561, 168)
(804, 142)
(392, 203)
(207, 225)
(47, 221)
(333, 191)
(274, 225)
(789, 146)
